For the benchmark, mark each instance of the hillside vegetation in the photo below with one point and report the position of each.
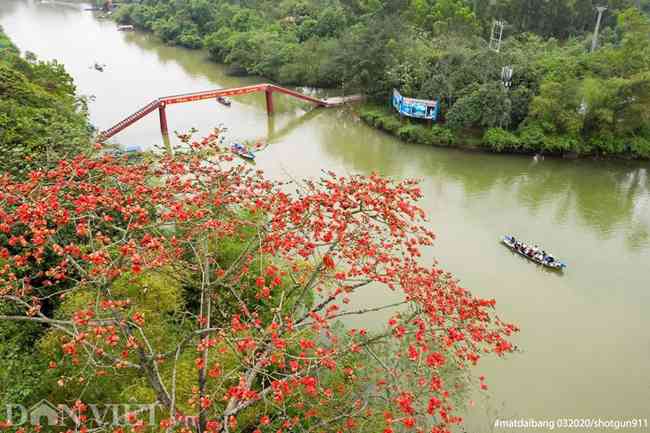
(41, 118)
(562, 99)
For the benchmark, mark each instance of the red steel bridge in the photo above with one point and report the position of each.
(161, 103)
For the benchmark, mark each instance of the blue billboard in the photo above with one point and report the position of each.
(418, 108)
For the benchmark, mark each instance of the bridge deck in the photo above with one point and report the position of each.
(341, 100)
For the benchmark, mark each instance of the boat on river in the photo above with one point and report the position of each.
(126, 28)
(533, 254)
(242, 151)
(224, 101)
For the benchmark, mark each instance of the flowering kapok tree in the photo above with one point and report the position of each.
(219, 293)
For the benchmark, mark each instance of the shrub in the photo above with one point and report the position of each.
(190, 39)
(560, 143)
(441, 136)
(531, 137)
(370, 116)
(410, 133)
(389, 123)
(640, 146)
(609, 144)
(435, 136)
(499, 139)
(123, 14)
(217, 43)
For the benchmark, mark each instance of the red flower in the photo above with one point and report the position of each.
(328, 262)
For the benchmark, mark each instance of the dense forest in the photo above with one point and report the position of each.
(41, 118)
(562, 98)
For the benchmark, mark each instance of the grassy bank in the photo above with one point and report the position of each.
(527, 140)
(384, 118)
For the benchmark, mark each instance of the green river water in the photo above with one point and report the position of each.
(585, 335)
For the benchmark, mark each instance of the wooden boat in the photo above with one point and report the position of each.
(224, 101)
(548, 261)
(242, 151)
(126, 28)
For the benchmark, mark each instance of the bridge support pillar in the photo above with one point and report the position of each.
(269, 102)
(163, 119)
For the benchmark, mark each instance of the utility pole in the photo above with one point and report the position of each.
(496, 35)
(594, 41)
(594, 44)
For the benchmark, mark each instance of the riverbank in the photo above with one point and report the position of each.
(557, 97)
(593, 213)
(496, 140)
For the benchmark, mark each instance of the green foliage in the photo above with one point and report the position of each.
(499, 139)
(20, 375)
(389, 124)
(41, 119)
(369, 114)
(444, 16)
(488, 106)
(412, 132)
(560, 95)
(609, 144)
(640, 146)
(531, 137)
(442, 136)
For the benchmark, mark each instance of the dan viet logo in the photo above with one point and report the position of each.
(46, 413)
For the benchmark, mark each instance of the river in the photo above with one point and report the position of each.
(585, 335)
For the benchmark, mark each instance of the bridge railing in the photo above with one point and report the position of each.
(128, 121)
(319, 102)
(210, 94)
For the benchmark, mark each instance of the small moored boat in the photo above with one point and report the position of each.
(224, 101)
(533, 253)
(126, 28)
(241, 150)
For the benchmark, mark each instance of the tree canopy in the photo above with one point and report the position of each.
(439, 50)
(41, 117)
(198, 284)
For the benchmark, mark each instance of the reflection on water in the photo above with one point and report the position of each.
(610, 197)
(584, 339)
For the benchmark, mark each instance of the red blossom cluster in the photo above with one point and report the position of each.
(92, 222)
